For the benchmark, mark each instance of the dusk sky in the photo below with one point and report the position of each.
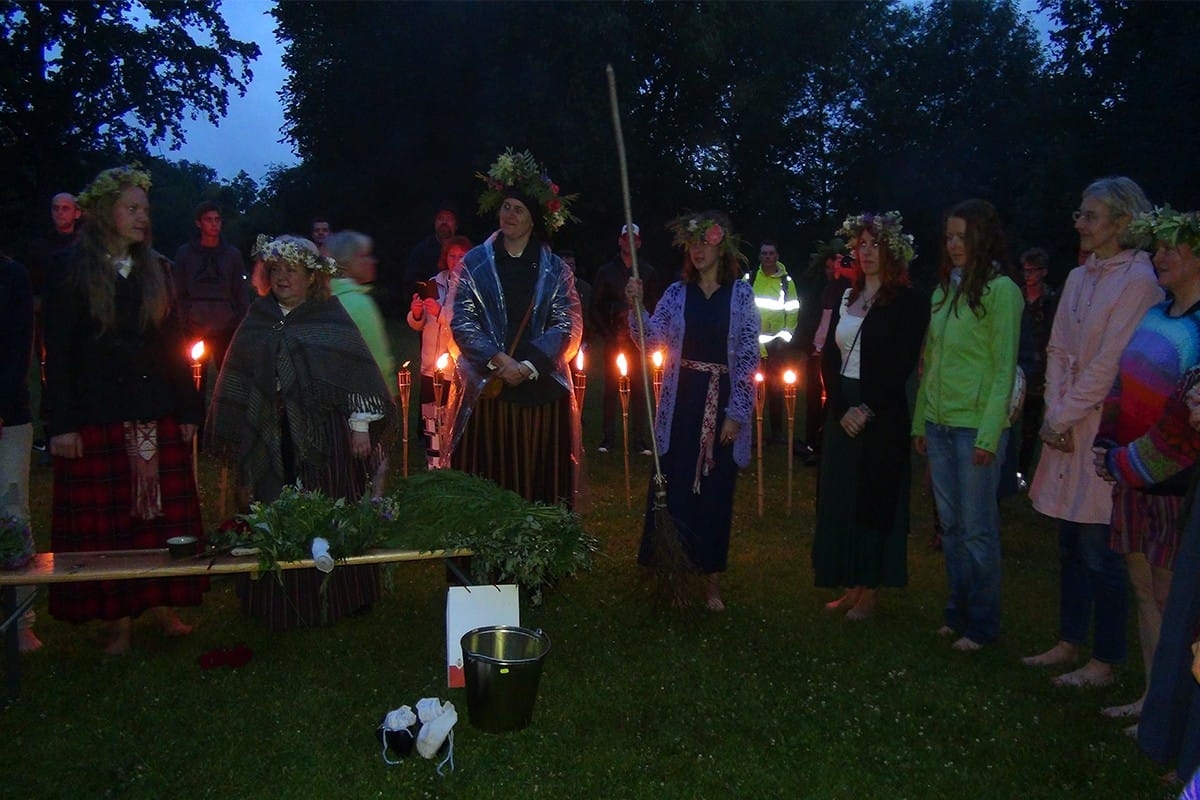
(248, 137)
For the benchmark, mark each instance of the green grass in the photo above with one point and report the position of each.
(771, 699)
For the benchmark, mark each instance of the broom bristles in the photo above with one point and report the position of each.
(673, 569)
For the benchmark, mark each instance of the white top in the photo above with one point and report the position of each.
(847, 337)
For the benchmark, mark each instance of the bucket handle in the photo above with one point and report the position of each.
(492, 660)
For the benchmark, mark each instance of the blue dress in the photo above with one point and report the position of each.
(702, 520)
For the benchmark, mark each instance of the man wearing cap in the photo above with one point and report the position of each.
(778, 310)
(610, 320)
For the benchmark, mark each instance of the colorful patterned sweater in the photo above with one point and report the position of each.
(1144, 420)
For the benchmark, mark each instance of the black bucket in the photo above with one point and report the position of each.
(502, 666)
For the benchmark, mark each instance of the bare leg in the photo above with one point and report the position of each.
(865, 606)
(712, 592)
(1145, 586)
(119, 634)
(1093, 674)
(1061, 653)
(170, 622)
(845, 601)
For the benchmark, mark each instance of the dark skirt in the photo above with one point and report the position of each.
(702, 521)
(93, 496)
(307, 598)
(1170, 726)
(846, 552)
(526, 449)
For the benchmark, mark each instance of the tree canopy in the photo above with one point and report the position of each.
(83, 84)
(788, 115)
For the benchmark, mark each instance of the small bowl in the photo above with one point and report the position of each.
(182, 546)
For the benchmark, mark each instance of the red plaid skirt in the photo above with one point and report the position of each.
(93, 496)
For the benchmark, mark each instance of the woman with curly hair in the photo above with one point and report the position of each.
(1099, 308)
(961, 417)
(300, 399)
(872, 348)
(707, 326)
(122, 410)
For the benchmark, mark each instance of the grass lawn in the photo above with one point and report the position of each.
(772, 698)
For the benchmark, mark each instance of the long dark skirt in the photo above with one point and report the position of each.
(845, 552)
(93, 496)
(526, 449)
(1170, 726)
(307, 598)
(702, 521)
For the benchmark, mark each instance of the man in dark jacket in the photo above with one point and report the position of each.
(610, 320)
(210, 280)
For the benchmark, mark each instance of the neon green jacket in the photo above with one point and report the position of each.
(778, 305)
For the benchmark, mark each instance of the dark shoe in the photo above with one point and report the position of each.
(604, 446)
(40, 445)
(643, 448)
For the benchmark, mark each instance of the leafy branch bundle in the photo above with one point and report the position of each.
(532, 544)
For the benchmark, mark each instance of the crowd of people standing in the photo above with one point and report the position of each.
(1092, 394)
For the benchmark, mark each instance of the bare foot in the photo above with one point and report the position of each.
(1133, 709)
(119, 634)
(28, 641)
(865, 606)
(845, 601)
(1061, 653)
(1131, 731)
(714, 603)
(1093, 674)
(170, 622)
(966, 645)
(945, 631)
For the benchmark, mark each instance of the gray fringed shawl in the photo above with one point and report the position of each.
(322, 368)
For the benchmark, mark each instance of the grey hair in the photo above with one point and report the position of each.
(344, 245)
(1124, 199)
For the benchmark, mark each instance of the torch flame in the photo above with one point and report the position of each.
(405, 365)
(198, 350)
(622, 365)
(443, 360)
(789, 377)
(657, 358)
(758, 377)
(579, 362)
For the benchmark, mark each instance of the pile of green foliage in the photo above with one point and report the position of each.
(513, 540)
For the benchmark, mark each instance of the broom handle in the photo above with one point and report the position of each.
(633, 263)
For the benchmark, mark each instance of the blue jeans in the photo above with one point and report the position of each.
(966, 502)
(1095, 585)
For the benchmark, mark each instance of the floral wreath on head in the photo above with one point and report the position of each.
(285, 250)
(110, 182)
(886, 227)
(1165, 224)
(521, 172)
(693, 229)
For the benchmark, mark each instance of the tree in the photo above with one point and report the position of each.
(112, 77)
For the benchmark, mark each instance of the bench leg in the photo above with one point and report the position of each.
(12, 642)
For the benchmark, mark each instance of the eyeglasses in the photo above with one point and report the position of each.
(1089, 217)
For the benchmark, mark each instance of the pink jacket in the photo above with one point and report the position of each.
(1100, 306)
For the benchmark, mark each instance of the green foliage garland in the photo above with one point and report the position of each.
(532, 544)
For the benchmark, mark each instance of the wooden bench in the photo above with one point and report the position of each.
(121, 565)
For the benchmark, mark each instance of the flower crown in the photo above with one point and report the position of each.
(1165, 224)
(693, 229)
(520, 172)
(290, 251)
(110, 182)
(886, 227)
